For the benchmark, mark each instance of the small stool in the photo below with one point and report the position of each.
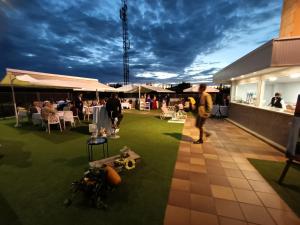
(96, 141)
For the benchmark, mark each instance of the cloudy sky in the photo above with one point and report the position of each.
(171, 40)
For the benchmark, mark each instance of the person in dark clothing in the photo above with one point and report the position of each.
(168, 99)
(276, 101)
(79, 106)
(203, 108)
(114, 109)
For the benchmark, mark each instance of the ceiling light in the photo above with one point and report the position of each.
(272, 78)
(232, 79)
(295, 75)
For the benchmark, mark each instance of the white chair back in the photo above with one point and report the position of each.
(68, 116)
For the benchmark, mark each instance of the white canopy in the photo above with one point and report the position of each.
(195, 88)
(36, 79)
(134, 88)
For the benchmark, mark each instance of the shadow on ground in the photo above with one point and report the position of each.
(12, 154)
(179, 136)
(7, 214)
(73, 162)
(56, 136)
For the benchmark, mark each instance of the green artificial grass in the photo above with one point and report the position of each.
(37, 169)
(289, 191)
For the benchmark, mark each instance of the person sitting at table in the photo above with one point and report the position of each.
(114, 109)
(277, 101)
(47, 111)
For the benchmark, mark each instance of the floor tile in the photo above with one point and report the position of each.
(202, 203)
(239, 183)
(229, 221)
(197, 161)
(215, 170)
(261, 186)
(182, 166)
(201, 189)
(272, 201)
(184, 159)
(179, 198)
(246, 196)
(233, 173)
(246, 166)
(201, 178)
(222, 192)
(197, 168)
(231, 165)
(180, 185)
(219, 180)
(284, 217)
(256, 214)
(213, 163)
(252, 175)
(200, 218)
(181, 174)
(176, 216)
(228, 209)
(210, 156)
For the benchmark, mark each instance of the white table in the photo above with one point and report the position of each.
(125, 105)
(101, 119)
(222, 111)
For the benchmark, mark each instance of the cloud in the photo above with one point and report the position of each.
(171, 40)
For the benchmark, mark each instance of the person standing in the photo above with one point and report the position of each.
(277, 101)
(79, 106)
(114, 109)
(203, 107)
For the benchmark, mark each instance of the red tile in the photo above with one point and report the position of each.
(179, 198)
(176, 216)
(202, 203)
(200, 218)
(256, 214)
(229, 209)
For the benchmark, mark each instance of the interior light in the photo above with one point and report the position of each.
(242, 76)
(272, 78)
(232, 79)
(295, 75)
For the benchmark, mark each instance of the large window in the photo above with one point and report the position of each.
(246, 93)
(288, 88)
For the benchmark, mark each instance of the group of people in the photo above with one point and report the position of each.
(156, 102)
(47, 108)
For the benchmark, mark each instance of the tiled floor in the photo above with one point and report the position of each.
(214, 184)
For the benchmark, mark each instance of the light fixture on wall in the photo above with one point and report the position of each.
(272, 78)
(295, 75)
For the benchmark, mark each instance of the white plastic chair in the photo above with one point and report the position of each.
(68, 117)
(167, 113)
(53, 119)
(22, 113)
(76, 116)
(87, 112)
(147, 106)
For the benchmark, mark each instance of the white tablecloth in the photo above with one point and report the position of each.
(101, 119)
(125, 105)
(222, 111)
(36, 119)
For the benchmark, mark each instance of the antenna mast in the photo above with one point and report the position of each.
(126, 43)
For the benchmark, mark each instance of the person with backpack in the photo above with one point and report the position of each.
(203, 107)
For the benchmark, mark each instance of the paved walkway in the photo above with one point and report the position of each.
(214, 184)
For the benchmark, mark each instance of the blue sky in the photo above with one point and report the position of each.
(171, 40)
